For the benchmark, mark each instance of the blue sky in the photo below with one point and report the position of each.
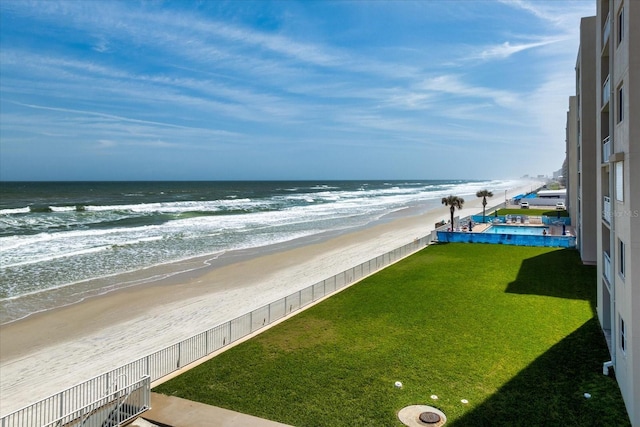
(164, 90)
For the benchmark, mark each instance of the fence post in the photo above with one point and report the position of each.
(179, 354)
(61, 405)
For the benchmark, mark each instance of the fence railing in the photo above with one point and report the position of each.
(69, 406)
(606, 267)
(606, 89)
(606, 208)
(104, 401)
(522, 219)
(606, 149)
(606, 30)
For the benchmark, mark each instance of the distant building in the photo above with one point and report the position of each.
(583, 168)
(572, 183)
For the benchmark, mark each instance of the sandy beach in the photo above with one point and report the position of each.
(46, 353)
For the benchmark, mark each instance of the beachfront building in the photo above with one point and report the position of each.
(570, 166)
(617, 83)
(584, 164)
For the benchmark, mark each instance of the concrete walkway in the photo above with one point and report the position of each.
(177, 412)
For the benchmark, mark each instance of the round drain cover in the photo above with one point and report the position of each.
(429, 417)
(421, 416)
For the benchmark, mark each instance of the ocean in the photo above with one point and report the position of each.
(61, 242)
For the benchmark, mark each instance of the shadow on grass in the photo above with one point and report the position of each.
(537, 273)
(550, 391)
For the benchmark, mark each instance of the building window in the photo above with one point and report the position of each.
(623, 336)
(620, 103)
(620, 181)
(620, 33)
(621, 255)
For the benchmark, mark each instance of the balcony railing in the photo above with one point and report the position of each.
(606, 88)
(606, 30)
(606, 209)
(606, 266)
(606, 149)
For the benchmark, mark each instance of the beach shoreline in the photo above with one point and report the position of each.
(50, 351)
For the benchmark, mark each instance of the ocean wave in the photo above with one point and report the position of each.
(81, 238)
(15, 211)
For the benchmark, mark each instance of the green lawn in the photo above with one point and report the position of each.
(531, 212)
(511, 329)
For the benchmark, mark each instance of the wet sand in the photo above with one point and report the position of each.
(51, 351)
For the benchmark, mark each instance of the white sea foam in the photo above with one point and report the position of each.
(69, 245)
(14, 211)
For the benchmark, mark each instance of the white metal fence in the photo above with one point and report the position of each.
(116, 396)
(107, 400)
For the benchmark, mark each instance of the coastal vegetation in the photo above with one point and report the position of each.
(484, 194)
(510, 330)
(454, 202)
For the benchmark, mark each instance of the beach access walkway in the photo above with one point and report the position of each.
(177, 412)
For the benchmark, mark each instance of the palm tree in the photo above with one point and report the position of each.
(484, 194)
(453, 202)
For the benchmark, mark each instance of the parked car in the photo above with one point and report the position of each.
(524, 205)
(560, 206)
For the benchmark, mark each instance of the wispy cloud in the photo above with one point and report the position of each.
(537, 9)
(158, 76)
(558, 13)
(110, 117)
(507, 49)
(454, 85)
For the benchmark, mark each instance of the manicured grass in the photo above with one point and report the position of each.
(531, 212)
(511, 329)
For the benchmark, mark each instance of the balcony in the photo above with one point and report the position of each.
(606, 30)
(606, 149)
(606, 267)
(606, 209)
(606, 89)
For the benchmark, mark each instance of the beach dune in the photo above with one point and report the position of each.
(51, 351)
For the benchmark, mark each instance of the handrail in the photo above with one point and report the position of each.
(606, 209)
(606, 149)
(117, 396)
(606, 267)
(606, 30)
(606, 88)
